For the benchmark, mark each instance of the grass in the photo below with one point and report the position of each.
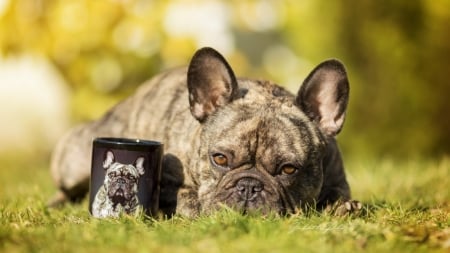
(407, 209)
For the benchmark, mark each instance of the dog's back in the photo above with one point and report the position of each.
(159, 110)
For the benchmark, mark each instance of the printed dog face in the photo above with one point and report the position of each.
(120, 187)
(121, 180)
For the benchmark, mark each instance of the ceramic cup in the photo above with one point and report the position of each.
(125, 177)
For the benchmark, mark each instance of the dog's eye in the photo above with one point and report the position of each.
(288, 170)
(220, 160)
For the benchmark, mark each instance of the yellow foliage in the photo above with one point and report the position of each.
(393, 50)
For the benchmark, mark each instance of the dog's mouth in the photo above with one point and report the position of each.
(119, 197)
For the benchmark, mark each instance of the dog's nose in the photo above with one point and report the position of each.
(121, 181)
(249, 188)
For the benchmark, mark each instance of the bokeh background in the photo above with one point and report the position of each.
(67, 61)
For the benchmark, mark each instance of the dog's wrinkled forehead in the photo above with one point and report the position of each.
(120, 170)
(263, 129)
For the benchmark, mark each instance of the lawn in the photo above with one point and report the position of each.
(406, 209)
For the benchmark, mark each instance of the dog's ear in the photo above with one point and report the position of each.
(109, 159)
(323, 96)
(211, 83)
(140, 165)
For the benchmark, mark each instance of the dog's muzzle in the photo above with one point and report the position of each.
(121, 190)
(250, 192)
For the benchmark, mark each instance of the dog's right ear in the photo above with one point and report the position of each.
(324, 96)
(211, 83)
(109, 159)
(139, 164)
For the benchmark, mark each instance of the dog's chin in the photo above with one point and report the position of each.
(117, 199)
(252, 208)
(256, 206)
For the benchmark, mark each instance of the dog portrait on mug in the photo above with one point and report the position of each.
(118, 192)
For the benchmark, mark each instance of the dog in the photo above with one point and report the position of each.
(242, 143)
(118, 194)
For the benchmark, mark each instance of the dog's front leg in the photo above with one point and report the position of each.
(187, 202)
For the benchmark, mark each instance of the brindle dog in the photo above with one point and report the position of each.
(246, 144)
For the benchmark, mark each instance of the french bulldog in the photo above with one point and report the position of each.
(118, 194)
(246, 144)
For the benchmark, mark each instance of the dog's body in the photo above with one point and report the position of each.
(118, 193)
(247, 144)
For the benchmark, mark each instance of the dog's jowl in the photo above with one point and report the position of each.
(237, 142)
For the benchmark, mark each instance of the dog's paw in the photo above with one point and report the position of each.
(348, 207)
(343, 208)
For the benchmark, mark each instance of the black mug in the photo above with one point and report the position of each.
(125, 177)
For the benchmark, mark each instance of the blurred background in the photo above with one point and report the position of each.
(64, 61)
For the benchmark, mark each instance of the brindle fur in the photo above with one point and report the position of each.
(259, 126)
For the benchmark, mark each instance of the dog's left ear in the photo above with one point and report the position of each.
(109, 159)
(140, 165)
(211, 83)
(323, 96)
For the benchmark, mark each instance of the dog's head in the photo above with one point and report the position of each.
(261, 146)
(121, 180)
